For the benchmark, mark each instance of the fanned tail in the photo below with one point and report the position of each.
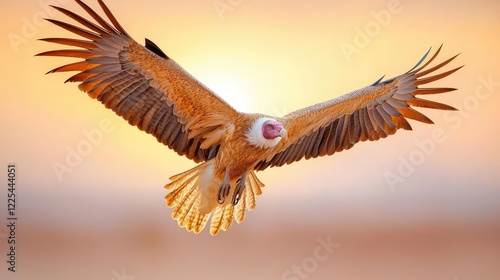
(193, 199)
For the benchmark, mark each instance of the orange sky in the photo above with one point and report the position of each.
(271, 57)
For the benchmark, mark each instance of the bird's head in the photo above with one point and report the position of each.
(266, 133)
(272, 129)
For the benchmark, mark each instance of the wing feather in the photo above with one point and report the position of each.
(150, 91)
(370, 113)
(354, 128)
(364, 133)
(70, 42)
(390, 110)
(96, 16)
(77, 30)
(323, 147)
(68, 53)
(336, 130)
(430, 104)
(387, 120)
(82, 20)
(317, 144)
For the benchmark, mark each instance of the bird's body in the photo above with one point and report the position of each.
(151, 91)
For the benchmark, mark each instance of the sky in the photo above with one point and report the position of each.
(421, 204)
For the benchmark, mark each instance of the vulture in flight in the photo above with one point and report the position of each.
(151, 91)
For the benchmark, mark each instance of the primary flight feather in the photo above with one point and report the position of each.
(148, 89)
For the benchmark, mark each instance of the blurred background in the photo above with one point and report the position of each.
(423, 204)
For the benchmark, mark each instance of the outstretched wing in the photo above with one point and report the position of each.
(143, 85)
(369, 113)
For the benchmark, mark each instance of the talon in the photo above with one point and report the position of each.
(220, 196)
(224, 189)
(240, 187)
(236, 198)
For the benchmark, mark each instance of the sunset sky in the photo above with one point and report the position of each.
(107, 213)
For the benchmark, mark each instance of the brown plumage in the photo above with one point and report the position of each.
(152, 92)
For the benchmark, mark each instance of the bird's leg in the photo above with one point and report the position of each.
(240, 187)
(224, 188)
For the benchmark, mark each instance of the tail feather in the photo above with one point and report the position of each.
(192, 220)
(185, 204)
(241, 208)
(193, 203)
(176, 195)
(254, 189)
(222, 218)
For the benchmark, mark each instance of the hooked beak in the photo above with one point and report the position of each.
(282, 132)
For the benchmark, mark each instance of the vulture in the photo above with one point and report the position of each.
(152, 92)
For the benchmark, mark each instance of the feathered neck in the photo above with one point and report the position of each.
(256, 138)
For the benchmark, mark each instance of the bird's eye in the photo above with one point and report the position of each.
(269, 126)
